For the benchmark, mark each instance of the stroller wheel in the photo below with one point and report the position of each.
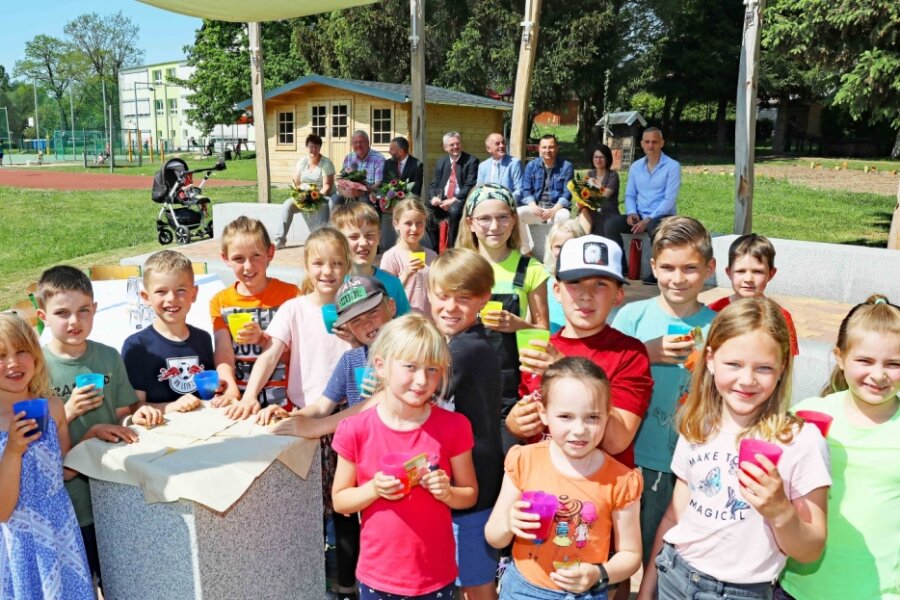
(183, 235)
(164, 236)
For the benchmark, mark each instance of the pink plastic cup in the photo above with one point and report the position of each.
(820, 420)
(544, 505)
(749, 448)
(393, 465)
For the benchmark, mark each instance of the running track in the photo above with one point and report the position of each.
(49, 179)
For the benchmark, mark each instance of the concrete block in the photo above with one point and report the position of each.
(268, 214)
(268, 545)
(812, 369)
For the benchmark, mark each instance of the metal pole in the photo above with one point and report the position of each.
(72, 116)
(137, 123)
(112, 147)
(37, 127)
(166, 108)
(8, 133)
(103, 87)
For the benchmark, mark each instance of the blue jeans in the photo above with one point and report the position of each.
(515, 587)
(679, 581)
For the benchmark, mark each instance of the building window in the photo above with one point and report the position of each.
(286, 128)
(173, 106)
(170, 73)
(157, 76)
(172, 136)
(381, 126)
(160, 108)
(340, 114)
(320, 121)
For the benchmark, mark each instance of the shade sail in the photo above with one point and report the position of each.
(245, 11)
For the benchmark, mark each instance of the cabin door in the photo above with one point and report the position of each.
(339, 129)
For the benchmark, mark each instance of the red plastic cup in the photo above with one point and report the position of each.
(545, 506)
(820, 420)
(393, 465)
(749, 448)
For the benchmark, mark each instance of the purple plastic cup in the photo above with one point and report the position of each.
(545, 506)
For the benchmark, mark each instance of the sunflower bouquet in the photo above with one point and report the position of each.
(392, 192)
(351, 179)
(585, 193)
(307, 197)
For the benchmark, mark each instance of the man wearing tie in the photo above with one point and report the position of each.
(403, 167)
(454, 177)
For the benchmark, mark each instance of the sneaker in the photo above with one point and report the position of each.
(649, 280)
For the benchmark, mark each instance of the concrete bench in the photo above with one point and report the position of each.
(812, 369)
(268, 214)
(836, 272)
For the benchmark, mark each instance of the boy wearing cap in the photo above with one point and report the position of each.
(588, 286)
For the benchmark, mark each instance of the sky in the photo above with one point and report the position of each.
(163, 34)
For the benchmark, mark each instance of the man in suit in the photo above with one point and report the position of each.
(454, 177)
(404, 167)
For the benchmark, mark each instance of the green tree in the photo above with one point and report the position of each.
(54, 64)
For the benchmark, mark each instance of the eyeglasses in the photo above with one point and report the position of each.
(485, 220)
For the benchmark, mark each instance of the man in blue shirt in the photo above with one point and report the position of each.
(501, 168)
(546, 199)
(653, 185)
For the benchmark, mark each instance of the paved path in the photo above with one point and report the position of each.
(61, 180)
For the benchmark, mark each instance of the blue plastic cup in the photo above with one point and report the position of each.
(360, 374)
(95, 379)
(207, 383)
(329, 316)
(678, 329)
(36, 409)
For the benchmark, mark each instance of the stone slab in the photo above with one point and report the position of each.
(269, 214)
(268, 545)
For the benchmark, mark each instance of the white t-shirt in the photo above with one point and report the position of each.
(314, 352)
(719, 533)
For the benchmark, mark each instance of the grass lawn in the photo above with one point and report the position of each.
(241, 170)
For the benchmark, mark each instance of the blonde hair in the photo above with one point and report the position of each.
(167, 261)
(354, 214)
(413, 337)
(701, 415)
(466, 238)
(876, 315)
(409, 203)
(461, 270)
(16, 334)
(572, 227)
(245, 227)
(678, 232)
(583, 370)
(315, 246)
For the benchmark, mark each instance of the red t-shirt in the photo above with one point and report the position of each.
(406, 545)
(624, 360)
(721, 303)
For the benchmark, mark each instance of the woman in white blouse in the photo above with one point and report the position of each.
(316, 169)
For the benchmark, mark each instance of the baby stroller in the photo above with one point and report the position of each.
(184, 207)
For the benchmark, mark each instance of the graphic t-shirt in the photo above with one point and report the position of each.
(656, 438)
(263, 308)
(117, 393)
(719, 533)
(582, 525)
(406, 546)
(721, 303)
(861, 558)
(164, 369)
(395, 260)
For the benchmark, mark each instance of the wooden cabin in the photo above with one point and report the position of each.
(335, 108)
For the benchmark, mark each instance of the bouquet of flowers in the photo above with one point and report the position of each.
(585, 193)
(350, 180)
(307, 197)
(392, 192)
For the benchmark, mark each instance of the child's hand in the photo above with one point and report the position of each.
(271, 414)
(438, 483)
(226, 399)
(524, 420)
(666, 350)
(148, 416)
(343, 333)
(186, 403)
(537, 361)
(414, 265)
(521, 522)
(576, 579)
(250, 333)
(242, 409)
(17, 442)
(504, 321)
(764, 490)
(491, 318)
(387, 486)
(83, 399)
(113, 433)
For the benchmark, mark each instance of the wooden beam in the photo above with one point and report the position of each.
(894, 234)
(417, 77)
(259, 114)
(527, 53)
(745, 118)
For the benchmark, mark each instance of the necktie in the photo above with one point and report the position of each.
(451, 183)
(399, 168)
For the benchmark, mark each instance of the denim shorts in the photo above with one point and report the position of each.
(369, 593)
(476, 558)
(678, 581)
(515, 587)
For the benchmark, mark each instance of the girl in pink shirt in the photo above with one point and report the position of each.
(405, 259)
(406, 540)
(732, 523)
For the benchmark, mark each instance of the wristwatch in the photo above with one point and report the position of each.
(603, 582)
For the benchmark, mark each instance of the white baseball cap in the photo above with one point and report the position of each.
(589, 256)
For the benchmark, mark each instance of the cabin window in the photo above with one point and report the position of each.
(285, 128)
(382, 125)
(320, 121)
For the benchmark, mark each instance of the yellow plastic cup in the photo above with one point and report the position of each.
(525, 337)
(491, 306)
(417, 255)
(236, 322)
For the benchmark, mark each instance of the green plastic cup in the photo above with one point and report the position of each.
(525, 337)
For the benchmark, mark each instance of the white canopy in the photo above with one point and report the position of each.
(248, 11)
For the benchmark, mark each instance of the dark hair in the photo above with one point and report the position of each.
(61, 279)
(755, 245)
(315, 139)
(402, 143)
(607, 154)
(550, 136)
(578, 368)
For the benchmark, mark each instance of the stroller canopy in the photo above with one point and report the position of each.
(166, 178)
